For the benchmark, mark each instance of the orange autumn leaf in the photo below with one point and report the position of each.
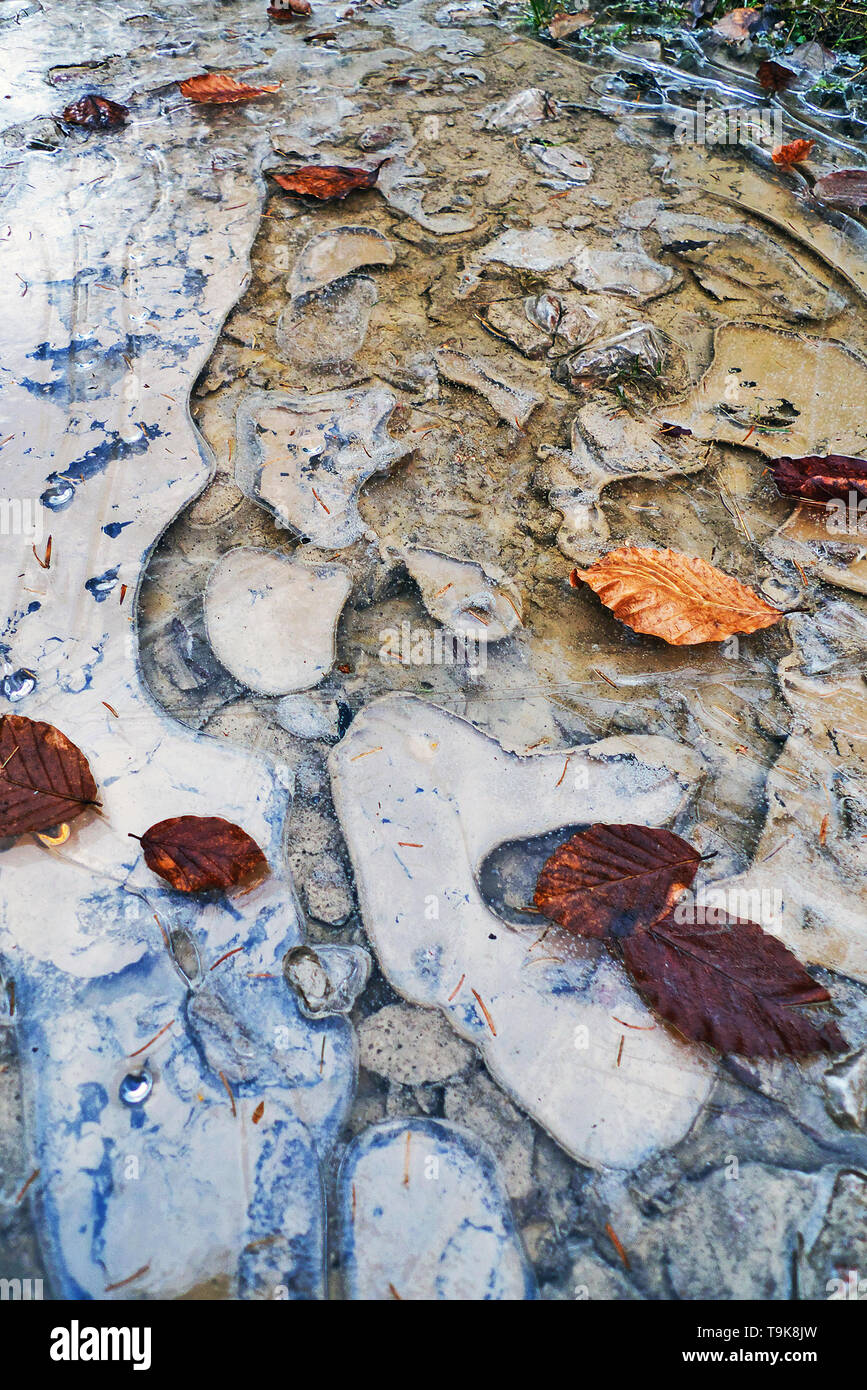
(327, 181)
(219, 87)
(793, 153)
(679, 598)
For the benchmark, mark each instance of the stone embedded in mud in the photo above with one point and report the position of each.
(512, 403)
(330, 325)
(475, 1101)
(469, 598)
(411, 1046)
(423, 798)
(638, 347)
(628, 272)
(305, 457)
(327, 891)
(560, 161)
(779, 392)
(735, 261)
(330, 255)
(608, 445)
(525, 108)
(272, 619)
(425, 1216)
(327, 979)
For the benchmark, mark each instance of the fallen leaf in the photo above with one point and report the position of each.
(793, 153)
(219, 87)
(736, 25)
(730, 985)
(95, 113)
(725, 983)
(193, 853)
(258, 1112)
(44, 778)
(679, 598)
(846, 188)
(561, 25)
(774, 77)
(673, 431)
(325, 181)
(818, 479)
(611, 880)
(286, 10)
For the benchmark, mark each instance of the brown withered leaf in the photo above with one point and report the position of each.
(679, 598)
(846, 189)
(793, 153)
(95, 113)
(673, 431)
(719, 981)
(219, 87)
(730, 985)
(561, 25)
(774, 77)
(611, 880)
(289, 10)
(818, 479)
(326, 181)
(44, 778)
(736, 25)
(193, 853)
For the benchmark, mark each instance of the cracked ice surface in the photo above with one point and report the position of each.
(423, 798)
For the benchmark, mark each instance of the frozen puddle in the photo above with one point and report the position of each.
(423, 798)
(305, 457)
(272, 619)
(424, 1216)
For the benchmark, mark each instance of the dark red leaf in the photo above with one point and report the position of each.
(193, 853)
(44, 778)
(774, 77)
(847, 188)
(95, 113)
(611, 880)
(326, 181)
(673, 431)
(818, 479)
(730, 985)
